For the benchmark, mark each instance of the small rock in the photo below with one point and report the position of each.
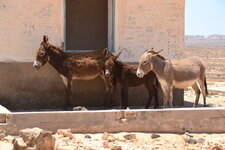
(217, 148)
(108, 137)
(106, 144)
(2, 134)
(188, 134)
(31, 135)
(124, 120)
(116, 147)
(65, 148)
(190, 140)
(9, 138)
(87, 136)
(39, 138)
(65, 132)
(154, 136)
(200, 140)
(130, 137)
(19, 144)
(80, 108)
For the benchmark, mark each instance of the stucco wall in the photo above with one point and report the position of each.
(143, 24)
(23, 23)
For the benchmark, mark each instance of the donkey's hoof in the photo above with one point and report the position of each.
(206, 105)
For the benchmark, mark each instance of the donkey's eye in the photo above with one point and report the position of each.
(42, 54)
(144, 62)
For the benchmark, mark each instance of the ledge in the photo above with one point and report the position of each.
(176, 120)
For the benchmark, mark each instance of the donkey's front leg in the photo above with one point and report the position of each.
(170, 97)
(109, 94)
(68, 91)
(124, 97)
(168, 94)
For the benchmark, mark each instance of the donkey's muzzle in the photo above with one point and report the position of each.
(140, 73)
(107, 73)
(36, 65)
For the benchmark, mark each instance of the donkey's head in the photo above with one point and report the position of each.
(110, 64)
(42, 54)
(145, 62)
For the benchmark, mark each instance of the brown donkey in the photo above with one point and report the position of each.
(126, 75)
(80, 66)
(175, 74)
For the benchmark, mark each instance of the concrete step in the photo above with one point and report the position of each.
(175, 120)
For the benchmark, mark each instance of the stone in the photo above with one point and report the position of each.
(31, 136)
(19, 144)
(80, 108)
(87, 136)
(65, 132)
(4, 145)
(217, 148)
(200, 140)
(116, 147)
(39, 138)
(63, 147)
(130, 137)
(108, 137)
(2, 134)
(188, 134)
(9, 138)
(189, 140)
(47, 142)
(154, 136)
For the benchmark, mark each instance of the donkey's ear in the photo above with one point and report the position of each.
(105, 52)
(151, 50)
(159, 51)
(45, 38)
(117, 55)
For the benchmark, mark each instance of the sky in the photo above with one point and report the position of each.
(204, 17)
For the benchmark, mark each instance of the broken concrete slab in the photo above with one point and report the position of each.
(5, 115)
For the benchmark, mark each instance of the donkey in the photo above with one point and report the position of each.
(175, 74)
(79, 66)
(126, 75)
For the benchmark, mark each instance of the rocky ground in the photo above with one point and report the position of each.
(216, 97)
(213, 58)
(35, 139)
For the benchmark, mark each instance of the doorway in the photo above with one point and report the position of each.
(86, 24)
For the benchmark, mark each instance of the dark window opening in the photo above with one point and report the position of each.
(86, 24)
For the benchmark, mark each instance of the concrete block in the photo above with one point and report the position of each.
(179, 120)
(5, 115)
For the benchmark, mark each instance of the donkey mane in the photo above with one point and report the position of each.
(53, 48)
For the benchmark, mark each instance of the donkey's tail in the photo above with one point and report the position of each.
(205, 84)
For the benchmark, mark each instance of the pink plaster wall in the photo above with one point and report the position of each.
(23, 23)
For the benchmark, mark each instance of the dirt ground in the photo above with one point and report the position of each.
(213, 59)
(137, 141)
(216, 97)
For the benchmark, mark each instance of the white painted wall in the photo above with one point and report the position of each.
(143, 24)
(139, 25)
(23, 23)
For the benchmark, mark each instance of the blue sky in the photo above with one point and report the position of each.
(204, 17)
